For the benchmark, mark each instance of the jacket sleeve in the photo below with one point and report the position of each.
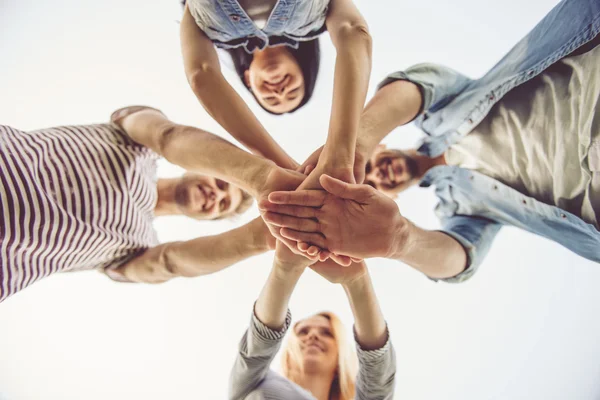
(258, 347)
(376, 373)
(439, 85)
(476, 235)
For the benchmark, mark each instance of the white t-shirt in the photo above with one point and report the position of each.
(543, 138)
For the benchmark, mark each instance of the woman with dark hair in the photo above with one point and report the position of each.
(275, 51)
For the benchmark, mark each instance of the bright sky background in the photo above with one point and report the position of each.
(524, 327)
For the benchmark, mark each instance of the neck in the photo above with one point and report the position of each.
(166, 205)
(425, 163)
(317, 383)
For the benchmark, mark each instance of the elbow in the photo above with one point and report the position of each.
(354, 34)
(202, 76)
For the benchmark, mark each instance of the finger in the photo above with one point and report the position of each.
(294, 211)
(310, 198)
(356, 260)
(324, 255)
(345, 190)
(313, 250)
(309, 168)
(344, 261)
(290, 244)
(303, 246)
(297, 224)
(313, 238)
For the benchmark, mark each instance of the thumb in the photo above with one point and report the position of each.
(350, 191)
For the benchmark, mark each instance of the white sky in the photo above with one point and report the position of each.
(525, 327)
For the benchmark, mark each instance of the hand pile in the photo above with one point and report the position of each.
(329, 219)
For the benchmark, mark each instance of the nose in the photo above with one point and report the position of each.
(313, 334)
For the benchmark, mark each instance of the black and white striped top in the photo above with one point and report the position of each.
(252, 379)
(72, 198)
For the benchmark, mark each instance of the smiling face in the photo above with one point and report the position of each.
(318, 344)
(275, 79)
(204, 197)
(390, 171)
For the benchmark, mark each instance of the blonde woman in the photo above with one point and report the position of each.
(317, 362)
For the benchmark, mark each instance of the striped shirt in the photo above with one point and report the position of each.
(72, 198)
(252, 379)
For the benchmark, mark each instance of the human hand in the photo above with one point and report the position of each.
(335, 273)
(360, 162)
(279, 179)
(346, 219)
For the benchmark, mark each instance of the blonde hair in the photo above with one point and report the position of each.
(343, 387)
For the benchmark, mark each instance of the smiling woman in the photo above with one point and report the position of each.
(317, 362)
(275, 50)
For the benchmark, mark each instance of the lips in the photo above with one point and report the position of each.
(202, 198)
(315, 345)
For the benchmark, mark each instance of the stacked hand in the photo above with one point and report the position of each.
(332, 218)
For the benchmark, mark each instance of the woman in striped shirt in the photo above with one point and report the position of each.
(317, 363)
(84, 197)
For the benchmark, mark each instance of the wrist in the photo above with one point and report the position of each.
(258, 231)
(259, 174)
(289, 270)
(402, 238)
(337, 155)
(356, 285)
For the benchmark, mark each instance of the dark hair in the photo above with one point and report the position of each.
(308, 56)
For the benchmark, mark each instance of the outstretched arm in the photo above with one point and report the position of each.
(376, 356)
(205, 153)
(393, 105)
(219, 99)
(268, 325)
(377, 363)
(361, 222)
(352, 41)
(201, 256)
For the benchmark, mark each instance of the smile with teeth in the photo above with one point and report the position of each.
(206, 198)
(278, 81)
(391, 173)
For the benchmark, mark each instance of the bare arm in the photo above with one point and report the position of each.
(219, 99)
(434, 253)
(201, 256)
(392, 106)
(369, 324)
(352, 41)
(202, 152)
(268, 326)
(361, 222)
(377, 359)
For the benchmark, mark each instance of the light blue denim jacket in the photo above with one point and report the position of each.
(226, 23)
(473, 207)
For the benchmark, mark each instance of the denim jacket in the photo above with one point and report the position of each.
(473, 207)
(226, 23)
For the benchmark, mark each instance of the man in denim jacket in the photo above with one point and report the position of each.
(519, 146)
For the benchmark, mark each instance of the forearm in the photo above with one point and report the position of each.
(434, 253)
(272, 304)
(225, 105)
(369, 323)
(351, 80)
(201, 256)
(392, 106)
(202, 152)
